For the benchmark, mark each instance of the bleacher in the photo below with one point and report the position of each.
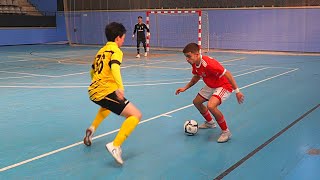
(18, 7)
(11, 7)
(20, 13)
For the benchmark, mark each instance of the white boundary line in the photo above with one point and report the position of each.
(126, 85)
(235, 59)
(22, 60)
(163, 67)
(268, 78)
(41, 75)
(20, 77)
(145, 65)
(251, 72)
(58, 76)
(259, 66)
(114, 131)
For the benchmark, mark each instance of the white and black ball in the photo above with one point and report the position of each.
(190, 127)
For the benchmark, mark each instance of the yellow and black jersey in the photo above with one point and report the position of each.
(104, 79)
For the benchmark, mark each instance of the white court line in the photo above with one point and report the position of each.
(168, 80)
(144, 64)
(268, 78)
(251, 71)
(261, 66)
(15, 61)
(162, 67)
(41, 75)
(85, 72)
(65, 75)
(233, 72)
(126, 85)
(131, 82)
(169, 60)
(124, 67)
(69, 87)
(17, 77)
(22, 73)
(114, 131)
(167, 115)
(235, 59)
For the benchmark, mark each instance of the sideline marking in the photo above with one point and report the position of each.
(241, 161)
(127, 85)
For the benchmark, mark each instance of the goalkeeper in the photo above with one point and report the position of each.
(141, 37)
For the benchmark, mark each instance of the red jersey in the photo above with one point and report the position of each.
(212, 73)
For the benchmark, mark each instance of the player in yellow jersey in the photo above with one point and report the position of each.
(106, 90)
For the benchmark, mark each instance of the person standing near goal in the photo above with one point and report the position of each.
(140, 28)
(219, 84)
(107, 91)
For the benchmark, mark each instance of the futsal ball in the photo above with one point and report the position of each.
(190, 127)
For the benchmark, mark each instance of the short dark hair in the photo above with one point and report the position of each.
(114, 30)
(191, 47)
(139, 17)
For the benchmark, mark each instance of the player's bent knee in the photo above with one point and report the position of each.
(131, 110)
(196, 102)
(213, 104)
(138, 115)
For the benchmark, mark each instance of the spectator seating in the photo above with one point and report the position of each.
(10, 7)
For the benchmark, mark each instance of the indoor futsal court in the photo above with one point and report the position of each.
(45, 108)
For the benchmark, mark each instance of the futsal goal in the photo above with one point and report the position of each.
(172, 29)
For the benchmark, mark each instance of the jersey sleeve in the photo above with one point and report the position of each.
(117, 56)
(135, 29)
(115, 62)
(145, 26)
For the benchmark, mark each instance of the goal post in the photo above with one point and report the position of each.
(171, 29)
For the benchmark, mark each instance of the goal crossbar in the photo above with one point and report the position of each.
(197, 12)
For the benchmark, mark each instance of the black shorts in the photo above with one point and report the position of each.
(141, 40)
(112, 103)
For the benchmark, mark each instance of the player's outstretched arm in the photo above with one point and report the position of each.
(192, 82)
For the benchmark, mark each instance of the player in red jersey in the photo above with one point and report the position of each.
(219, 84)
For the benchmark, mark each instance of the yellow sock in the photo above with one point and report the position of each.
(101, 115)
(126, 129)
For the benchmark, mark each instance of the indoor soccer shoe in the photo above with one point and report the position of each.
(116, 152)
(87, 140)
(138, 56)
(207, 125)
(225, 136)
(145, 54)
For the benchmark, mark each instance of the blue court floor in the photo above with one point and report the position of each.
(45, 111)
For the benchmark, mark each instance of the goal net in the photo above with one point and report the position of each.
(170, 29)
(173, 29)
